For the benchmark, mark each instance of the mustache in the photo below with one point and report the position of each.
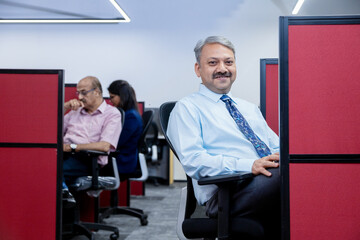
(220, 74)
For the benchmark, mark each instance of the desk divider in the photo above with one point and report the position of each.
(269, 92)
(31, 103)
(319, 127)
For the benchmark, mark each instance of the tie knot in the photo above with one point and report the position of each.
(225, 98)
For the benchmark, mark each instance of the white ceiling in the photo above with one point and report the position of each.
(104, 9)
(57, 9)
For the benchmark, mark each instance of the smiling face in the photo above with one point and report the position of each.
(217, 67)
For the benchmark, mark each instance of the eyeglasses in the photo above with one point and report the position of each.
(84, 92)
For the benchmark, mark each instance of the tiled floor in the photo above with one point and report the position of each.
(161, 203)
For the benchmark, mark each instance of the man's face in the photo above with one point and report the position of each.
(217, 68)
(86, 92)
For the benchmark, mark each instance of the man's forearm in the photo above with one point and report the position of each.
(97, 146)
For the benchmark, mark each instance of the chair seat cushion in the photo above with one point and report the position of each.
(85, 183)
(207, 228)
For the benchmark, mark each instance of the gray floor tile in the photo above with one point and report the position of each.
(160, 203)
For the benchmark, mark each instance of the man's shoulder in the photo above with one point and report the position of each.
(192, 99)
(111, 110)
(243, 102)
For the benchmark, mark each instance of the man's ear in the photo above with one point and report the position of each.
(98, 91)
(197, 69)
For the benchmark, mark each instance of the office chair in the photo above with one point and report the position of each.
(222, 227)
(93, 185)
(106, 178)
(140, 174)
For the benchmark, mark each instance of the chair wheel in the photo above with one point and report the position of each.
(144, 222)
(114, 236)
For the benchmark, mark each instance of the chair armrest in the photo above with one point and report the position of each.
(224, 183)
(225, 178)
(93, 153)
(95, 166)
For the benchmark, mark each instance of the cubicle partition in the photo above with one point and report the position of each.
(269, 92)
(31, 109)
(319, 127)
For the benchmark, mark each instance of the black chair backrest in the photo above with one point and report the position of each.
(147, 118)
(164, 113)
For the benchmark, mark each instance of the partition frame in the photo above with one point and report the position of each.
(285, 157)
(263, 63)
(59, 138)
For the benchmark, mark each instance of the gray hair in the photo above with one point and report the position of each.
(212, 39)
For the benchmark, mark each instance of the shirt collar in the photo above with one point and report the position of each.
(212, 95)
(100, 109)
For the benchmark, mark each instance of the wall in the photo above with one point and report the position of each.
(154, 52)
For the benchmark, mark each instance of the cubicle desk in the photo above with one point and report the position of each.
(31, 149)
(319, 127)
(269, 92)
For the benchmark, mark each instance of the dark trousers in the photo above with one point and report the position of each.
(75, 166)
(259, 199)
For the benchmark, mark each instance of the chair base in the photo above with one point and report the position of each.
(72, 226)
(134, 212)
(84, 228)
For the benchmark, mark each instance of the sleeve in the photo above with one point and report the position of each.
(112, 128)
(185, 133)
(66, 122)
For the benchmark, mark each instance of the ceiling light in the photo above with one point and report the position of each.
(125, 18)
(297, 6)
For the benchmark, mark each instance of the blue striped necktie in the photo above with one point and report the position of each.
(245, 128)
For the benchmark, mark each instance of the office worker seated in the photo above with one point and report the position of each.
(91, 124)
(123, 95)
(210, 142)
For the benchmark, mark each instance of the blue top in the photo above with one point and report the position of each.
(128, 142)
(208, 140)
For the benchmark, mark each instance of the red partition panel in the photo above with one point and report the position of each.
(28, 193)
(324, 91)
(31, 103)
(325, 201)
(319, 127)
(70, 91)
(269, 94)
(23, 113)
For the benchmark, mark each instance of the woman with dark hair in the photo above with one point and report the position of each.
(122, 95)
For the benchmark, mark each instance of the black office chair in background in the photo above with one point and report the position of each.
(222, 227)
(140, 174)
(93, 185)
(102, 178)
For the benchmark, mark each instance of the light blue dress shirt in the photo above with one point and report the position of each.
(208, 141)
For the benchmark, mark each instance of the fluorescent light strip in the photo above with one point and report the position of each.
(297, 6)
(116, 5)
(115, 20)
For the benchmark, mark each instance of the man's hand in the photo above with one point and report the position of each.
(66, 147)
(260, 165)
(73, 104)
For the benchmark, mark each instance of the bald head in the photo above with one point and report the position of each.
(94, 81)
